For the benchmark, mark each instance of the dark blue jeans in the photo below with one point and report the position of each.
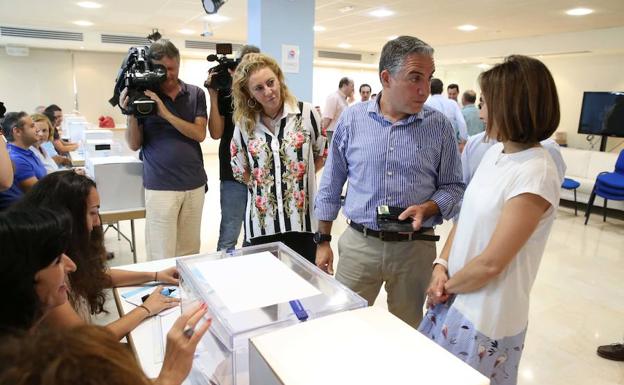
(233, 207)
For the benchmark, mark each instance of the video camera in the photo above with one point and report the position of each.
(138, 74)
(221, 80)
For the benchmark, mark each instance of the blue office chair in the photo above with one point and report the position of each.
(571, 184)
(609, 185)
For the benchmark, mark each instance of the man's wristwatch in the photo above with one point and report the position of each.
(320, 238)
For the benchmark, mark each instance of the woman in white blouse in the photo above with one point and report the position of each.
(277, 148)
(45, 132)
(479, 291)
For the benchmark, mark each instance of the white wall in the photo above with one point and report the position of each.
(43, 78)
(326, 81)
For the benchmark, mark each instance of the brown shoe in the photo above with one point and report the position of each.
(613, 352)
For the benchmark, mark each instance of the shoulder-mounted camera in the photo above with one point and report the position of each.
(138, 74)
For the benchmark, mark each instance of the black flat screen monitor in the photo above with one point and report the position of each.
(602, 113)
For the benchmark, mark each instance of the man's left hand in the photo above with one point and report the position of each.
(162, 111)
(417, 213)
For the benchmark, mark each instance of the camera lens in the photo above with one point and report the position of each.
(144, 108)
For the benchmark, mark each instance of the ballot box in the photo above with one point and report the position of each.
(249, 292)
(98, 148)
(365, 347)
(73, 127)
(97, 134)
(119, 182)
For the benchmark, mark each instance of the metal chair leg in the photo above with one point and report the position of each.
(590, 203)
(575, 204)
(604, 210)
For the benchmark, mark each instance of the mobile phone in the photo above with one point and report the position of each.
(388, 219)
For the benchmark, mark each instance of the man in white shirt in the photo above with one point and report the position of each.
(334, 105)
(453, 92)
(450, 109)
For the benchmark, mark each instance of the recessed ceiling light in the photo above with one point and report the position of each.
(186, 31)
(483, 66)
(392, 37)
(467, 27)
(89, 4)
(381, 12)
(83, 23)
(319, 28)
(216, 18)
(344, 45)
(346, 9)
(579, 11)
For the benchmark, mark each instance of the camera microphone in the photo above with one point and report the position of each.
(212, 57)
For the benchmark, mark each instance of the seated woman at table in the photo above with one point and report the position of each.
(78, 194)
(33, 277)
(277, 148)
(479, 290)
(45, 132)
(33, 265)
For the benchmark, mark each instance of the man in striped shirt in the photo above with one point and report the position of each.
(393, 151)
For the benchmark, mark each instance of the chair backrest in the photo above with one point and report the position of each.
(619, 164)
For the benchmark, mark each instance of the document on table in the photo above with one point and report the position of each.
(253, 281)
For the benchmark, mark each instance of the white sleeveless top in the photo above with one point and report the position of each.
(501, 308)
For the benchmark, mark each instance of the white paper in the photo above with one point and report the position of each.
(254, 281)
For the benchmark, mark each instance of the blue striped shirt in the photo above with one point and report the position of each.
(398, 164)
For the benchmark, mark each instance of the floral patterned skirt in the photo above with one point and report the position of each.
(496, 359)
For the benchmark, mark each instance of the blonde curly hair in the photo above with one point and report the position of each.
(244, 114)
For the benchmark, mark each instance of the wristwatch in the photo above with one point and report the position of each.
(320, 238)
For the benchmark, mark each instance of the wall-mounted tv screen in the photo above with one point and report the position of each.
(602, 113)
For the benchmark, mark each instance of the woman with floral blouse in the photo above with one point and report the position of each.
(276, 150)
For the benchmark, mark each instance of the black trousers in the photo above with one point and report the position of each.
(302, 243)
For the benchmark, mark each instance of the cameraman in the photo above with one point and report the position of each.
(233, 194)
(173, 169)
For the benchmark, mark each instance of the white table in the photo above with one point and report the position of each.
(142, 339)
(366, 346)
(112, 219)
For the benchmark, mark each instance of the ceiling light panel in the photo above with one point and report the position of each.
(579, 11)
(467, 27)
(89, 4)
(83, 23)
(381, 12)
(319, 28)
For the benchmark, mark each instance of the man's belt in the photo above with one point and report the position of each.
(389, 236)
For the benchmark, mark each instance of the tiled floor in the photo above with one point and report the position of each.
(577, 302)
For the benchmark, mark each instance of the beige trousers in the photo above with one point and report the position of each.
(366, 263)
(173, 222)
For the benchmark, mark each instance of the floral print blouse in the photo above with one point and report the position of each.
(282, 182)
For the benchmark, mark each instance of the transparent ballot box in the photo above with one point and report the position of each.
(249, 292)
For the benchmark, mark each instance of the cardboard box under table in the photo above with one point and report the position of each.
(119, 181)
(250, 292)
(365, 347)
